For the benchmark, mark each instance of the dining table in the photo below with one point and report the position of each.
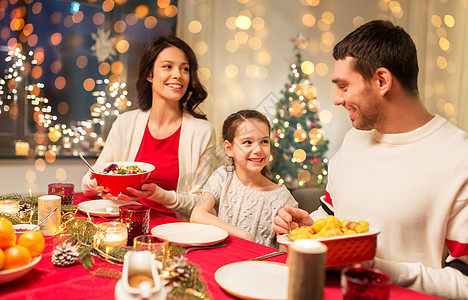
(47, 281)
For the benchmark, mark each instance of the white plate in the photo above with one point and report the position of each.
(12, 274)
(284, 240)
(254, 279)
(190, 234)
(103, 207)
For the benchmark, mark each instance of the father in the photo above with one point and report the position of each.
(400, 168)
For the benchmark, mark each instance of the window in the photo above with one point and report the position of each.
(69, 67)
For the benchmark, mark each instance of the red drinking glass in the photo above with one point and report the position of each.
(359, 283)
(136, 217)
(64, 190)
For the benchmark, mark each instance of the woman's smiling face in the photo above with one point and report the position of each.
(171, 75)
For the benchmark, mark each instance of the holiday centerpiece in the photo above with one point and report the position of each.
(76, 242)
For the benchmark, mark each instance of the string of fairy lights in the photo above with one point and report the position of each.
(111, 99)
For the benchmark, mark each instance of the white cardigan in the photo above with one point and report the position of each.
(196, 155)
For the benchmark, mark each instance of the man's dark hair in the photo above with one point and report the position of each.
(378, 44)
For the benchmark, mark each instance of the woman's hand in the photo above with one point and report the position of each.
(105, 192)
(296, 216)
(147, 190)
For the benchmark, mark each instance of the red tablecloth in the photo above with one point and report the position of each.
(47, 281)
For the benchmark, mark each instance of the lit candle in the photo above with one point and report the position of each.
(111, 234)
(9, 206)
(21, 148)
(45, 205)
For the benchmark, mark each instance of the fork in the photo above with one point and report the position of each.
(190, 249)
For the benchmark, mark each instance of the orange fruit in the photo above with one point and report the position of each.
(7, 233)
(2, 258)
(16, 256)
(33, 241)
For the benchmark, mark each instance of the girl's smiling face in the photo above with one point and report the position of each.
(171, 75)
(250, 148)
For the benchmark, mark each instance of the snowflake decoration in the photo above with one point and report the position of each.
(104, 46)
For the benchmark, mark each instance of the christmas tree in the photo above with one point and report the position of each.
(298, 143)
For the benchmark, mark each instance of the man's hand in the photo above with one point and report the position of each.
(296, 216)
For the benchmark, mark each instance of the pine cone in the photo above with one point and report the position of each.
(179, 269)
(65, 255)
(25, 207)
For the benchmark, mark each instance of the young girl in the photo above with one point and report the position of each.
(246, 202)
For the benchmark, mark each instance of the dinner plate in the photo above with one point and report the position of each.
(102, 207)
(12, 274)
(254, 280)
(283, 239)
(190, 234)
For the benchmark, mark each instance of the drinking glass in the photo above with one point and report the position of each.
(136, 217)
(158, 246)
(64, 190)
(359, 283)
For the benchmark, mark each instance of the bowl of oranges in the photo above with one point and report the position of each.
(19, 252)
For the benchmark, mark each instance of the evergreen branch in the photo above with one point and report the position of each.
(12, 218)
(107, 273)
(85, 257)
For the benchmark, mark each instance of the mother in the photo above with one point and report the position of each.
(167, 131)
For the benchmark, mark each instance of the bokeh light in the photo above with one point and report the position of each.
(120, 26)
(141, 11)
(89, 84)
(307, 67)
(243, 22)
(60, 82)
(61, 174)
(231, 71)
(200, 48)
(195, 26)
(151, 22)
(122, 46)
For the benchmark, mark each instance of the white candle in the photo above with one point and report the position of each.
(111, 234)
(46, 205)
(9, 206)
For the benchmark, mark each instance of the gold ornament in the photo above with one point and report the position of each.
(313, 105)
(315, 135)
(317, 168)
(296, 109)
(300, 155)
(301, 42)
(300, 135)
(310, 91)
(303, 176)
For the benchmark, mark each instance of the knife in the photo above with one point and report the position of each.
(273, 254)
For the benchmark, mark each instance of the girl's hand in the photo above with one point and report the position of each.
(248, 236)
(147, 190)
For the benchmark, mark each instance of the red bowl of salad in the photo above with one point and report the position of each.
(117, 176)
